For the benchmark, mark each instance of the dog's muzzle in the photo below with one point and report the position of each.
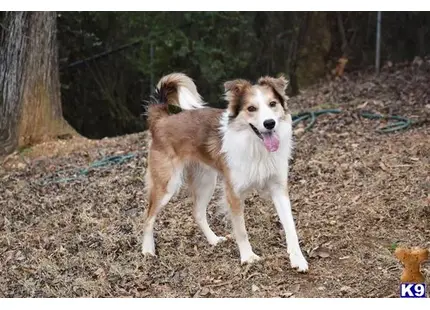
(270, 139)
(257, 132)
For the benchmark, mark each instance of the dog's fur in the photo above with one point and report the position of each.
(198, 143)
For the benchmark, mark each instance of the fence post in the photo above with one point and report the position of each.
(151, 59)
(378, 43)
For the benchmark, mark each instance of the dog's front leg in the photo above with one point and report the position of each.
(238, 224)
(282, 204)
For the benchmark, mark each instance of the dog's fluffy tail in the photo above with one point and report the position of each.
(174, 89)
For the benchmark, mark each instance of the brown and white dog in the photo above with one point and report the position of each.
(249, 144)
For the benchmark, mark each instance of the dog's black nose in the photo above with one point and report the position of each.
(269, 123)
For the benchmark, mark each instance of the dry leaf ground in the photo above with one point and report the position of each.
(355, 195)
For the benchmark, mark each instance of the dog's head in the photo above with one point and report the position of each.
(414, 256)
(259, 107)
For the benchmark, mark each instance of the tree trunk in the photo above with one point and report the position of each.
(314, 49)
(342, 34)
(30, 85)
(13, 43)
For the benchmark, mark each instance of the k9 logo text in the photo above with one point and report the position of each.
(412, 290)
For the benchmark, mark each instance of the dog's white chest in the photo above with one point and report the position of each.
(249, 173)
(251, 165)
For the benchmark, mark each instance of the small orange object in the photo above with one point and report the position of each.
(412, 260)
(341, 66)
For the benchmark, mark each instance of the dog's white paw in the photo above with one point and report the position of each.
(148, 252)
(217, 240)
(148, 247)
(298, 261)
(249, 259)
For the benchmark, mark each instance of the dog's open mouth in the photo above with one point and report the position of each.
(270, 139)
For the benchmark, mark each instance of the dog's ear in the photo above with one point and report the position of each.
(401, 253)
(236, 87)
(422, 255)
(234, 91)
(279, 86)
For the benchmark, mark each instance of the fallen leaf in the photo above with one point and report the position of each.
(21, 166)
(205, 291)
(323, 254)
(100, 273)
(295, 288)
(299, 131)
(345, 289)
(362, 106)
(383, 166)
(320, 252)
(255, 288)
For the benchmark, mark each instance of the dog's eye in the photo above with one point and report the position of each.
(252, 109)
(272, 104)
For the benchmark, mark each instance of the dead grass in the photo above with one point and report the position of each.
(356, 194)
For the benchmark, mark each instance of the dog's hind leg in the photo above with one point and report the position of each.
(164, 179)
(202, 182)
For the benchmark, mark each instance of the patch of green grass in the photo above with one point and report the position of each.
(393, 246)
(23, 150)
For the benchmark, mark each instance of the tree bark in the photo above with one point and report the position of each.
(342, 34)
(13, 43)
(30, 85)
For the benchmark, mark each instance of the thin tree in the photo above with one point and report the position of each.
(301, 19)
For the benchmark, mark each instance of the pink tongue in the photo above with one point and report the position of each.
(271, 141)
